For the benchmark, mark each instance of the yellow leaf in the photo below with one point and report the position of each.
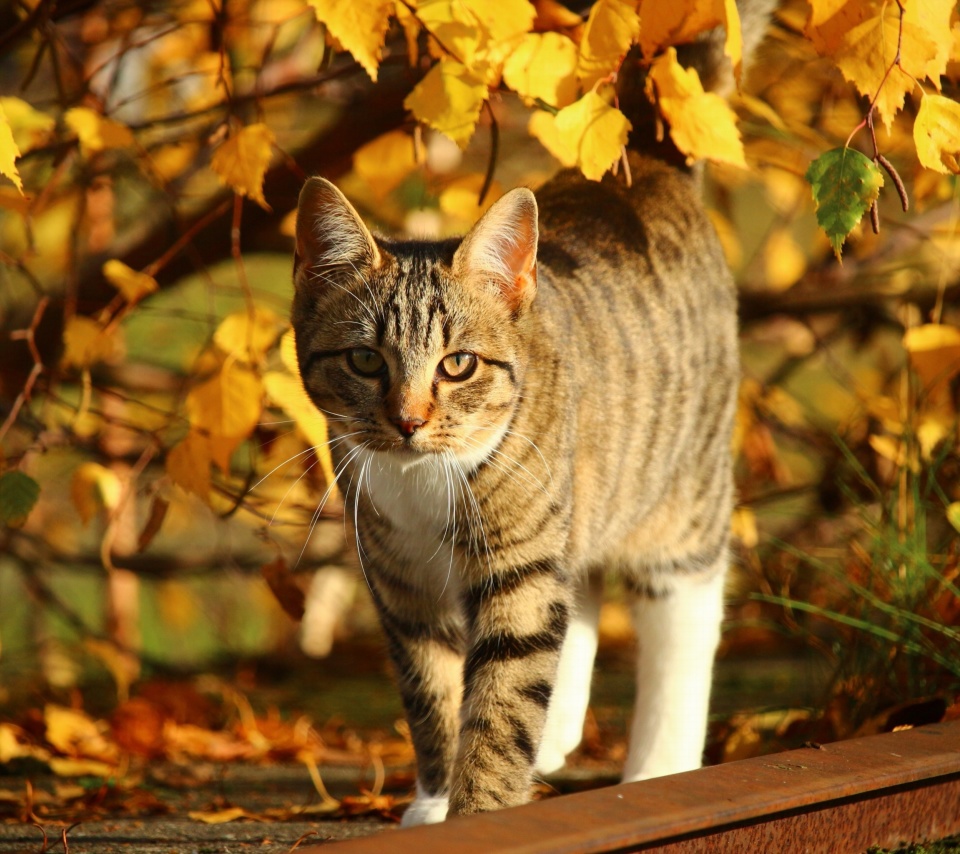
(30, 127)
(94, 486)
(935, 355)
(953, 514)
(287, 392)
(743, 525)
(448, 99)
(288, 352)
(359, 25)
(783, 260)
(86, 342)
(543, 66)
(612, 26)
(75, 733)
(11, 747)
(595, 131)
(386, 161)
(932, 429)
(459, 198)
(188, 465)
(543, 126)
(504, 19)
(701, 123)
(933, 17)
(936, 133)
(248, 337)
(411, 31)
(226, 406)
(221, 816)
(663, 25)
(866, 51)
(9, 152)
(133, 286)
(454, 25)
(95, 132)
(242, 161)
(68, 767)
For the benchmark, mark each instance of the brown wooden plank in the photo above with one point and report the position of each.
(821, 793)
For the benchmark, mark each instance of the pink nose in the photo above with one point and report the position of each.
(409, 427)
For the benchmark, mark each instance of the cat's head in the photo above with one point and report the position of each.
(414, 347)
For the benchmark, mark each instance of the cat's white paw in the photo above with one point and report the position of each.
(551, 757)
(426, 809)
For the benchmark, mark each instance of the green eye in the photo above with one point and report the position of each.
(366, 362)
(458, 366)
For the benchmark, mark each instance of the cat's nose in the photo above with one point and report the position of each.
(409, 426)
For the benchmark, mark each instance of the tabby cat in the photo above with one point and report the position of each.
(514, 415)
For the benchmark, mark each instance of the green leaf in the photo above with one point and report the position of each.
(18, 493)
(845, 184)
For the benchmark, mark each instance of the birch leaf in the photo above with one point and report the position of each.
(845, 184)
(449, 100)
(133, 286)
(544, 66)
(9, 152)
(595, 132)
(228, 404)
(936, 132)
(242, 161)
(359, 25)
(612, 27)
(18, 495)
(701, 123)
(95, 132)
(188, 465)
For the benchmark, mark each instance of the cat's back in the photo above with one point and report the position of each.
(637, 299)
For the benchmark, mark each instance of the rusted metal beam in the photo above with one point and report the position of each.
(840, 797)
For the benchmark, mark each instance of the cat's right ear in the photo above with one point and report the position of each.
(330, 232)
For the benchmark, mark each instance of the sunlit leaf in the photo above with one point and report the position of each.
(543, 66)
(543, 126)
(934, 350)
(359, 25)
(94, 487)
(286, 391)
(95, 132)
(248, 335)
(461, 197)
(9, 152)
(226, 406)
(31, 128)
(448, 99)
(612, 26)
(664, 25)
(222, 816)
(242, 161)
(936, 133)
(845, 184)
(18, 496)
(86, 342)
(386, 161)
(702, 125)
(188, 465)
(953, 514)
(133, 286)
(595, 131)
(74, 733)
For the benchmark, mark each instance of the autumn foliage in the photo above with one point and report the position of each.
(152, 154)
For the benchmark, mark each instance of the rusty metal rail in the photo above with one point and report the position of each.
(841, 797)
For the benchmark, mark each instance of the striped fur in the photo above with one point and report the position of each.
(589, 434)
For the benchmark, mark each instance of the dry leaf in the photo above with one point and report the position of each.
(936, 133)
(701, 123)
(594, 132)
(612, 26)
(543, 67)
(227, 405)
(242, 161)
(448, 99)
(95, 132)
(359, 25)
(188, 464)
(93, 487)
(86, 342)
(283, 586)
(9, 152)
(133, 286)
(247, 335)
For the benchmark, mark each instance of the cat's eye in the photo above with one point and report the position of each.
(458, 366)
(366, 362)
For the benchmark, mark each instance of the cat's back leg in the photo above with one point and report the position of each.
(677, 618)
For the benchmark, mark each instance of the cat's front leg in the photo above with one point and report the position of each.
(516, 621)
(426, 648)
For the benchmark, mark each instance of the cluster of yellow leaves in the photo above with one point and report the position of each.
(555, 61)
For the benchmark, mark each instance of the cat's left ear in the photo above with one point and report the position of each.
(330, 232)
(502, 248)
